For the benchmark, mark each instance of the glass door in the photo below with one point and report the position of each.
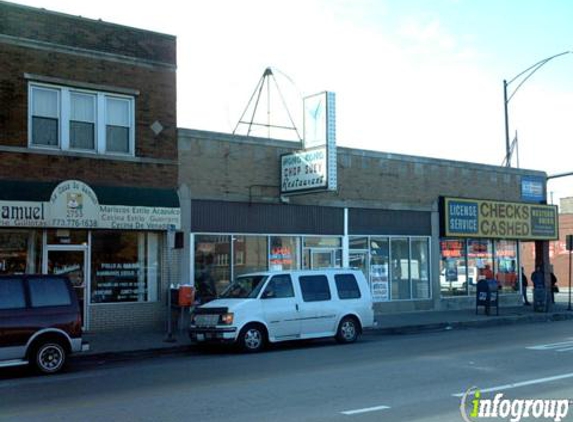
(321, 258)
(72, 263)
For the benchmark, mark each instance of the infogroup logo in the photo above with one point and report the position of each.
(473, 407)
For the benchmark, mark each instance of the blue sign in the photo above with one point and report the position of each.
(532, 188)
(462, 217)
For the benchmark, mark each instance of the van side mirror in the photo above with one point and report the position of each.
(268, 294)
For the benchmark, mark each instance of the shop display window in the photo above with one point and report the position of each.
(480, 256)
(125, 266)
(419, 268)
(455, 278)
(283, 254)
(400, 269)
(212, 265)
(379, 268)
(249, 254)
(20, 251)
(506, 266)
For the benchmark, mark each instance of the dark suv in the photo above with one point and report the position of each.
(40, 321)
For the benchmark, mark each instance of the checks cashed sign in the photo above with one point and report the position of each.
(499, 220)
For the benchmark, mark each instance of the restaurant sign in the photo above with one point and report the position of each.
(73, 204)
(499, 220)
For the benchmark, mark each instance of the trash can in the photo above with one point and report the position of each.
(487, 295)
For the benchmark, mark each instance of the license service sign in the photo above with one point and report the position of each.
(499, 220)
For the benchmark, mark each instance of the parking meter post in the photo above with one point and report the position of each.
(170, 244)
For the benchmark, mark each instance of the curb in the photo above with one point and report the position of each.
(483, 323)
(189, 348)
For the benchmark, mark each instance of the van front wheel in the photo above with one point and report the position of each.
(252, 338)
(347, 330)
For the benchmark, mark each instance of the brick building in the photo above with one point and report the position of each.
(88, 181)
(423, 230)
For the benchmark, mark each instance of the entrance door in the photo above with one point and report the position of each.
(321, 258)
(71, 262)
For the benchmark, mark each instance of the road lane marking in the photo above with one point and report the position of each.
(364, 410)
(521, 384)
(563, 346)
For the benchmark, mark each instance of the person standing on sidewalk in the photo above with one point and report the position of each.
(554, 288)
(537, 278)
(524, 287)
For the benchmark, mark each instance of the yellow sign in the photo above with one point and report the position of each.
(499, 220)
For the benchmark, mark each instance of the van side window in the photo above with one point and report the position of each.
(12, 294)
(314, 288)
(347, 286)
(48, 292)
(280, 286)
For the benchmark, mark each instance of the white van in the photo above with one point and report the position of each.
(286, 305)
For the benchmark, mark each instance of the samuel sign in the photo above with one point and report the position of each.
(499, 220)
(73, 204)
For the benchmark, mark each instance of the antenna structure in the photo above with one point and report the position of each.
(254, 103)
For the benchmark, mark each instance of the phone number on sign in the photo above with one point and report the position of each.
(70, 222)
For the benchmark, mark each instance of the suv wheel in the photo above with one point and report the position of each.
(49, 357)
(252, 338)
(347, 330)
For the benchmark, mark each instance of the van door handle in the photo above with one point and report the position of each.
(296, 306)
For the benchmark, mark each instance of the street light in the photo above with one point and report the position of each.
(529, 71)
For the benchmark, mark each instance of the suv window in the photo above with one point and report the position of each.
(347, 286)
(314, 288)
(12, 294)
(48, 292)
(280, 286)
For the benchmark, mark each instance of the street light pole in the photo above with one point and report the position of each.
(528, 73)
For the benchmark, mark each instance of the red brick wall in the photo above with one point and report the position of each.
(155, 83)
(74, 31)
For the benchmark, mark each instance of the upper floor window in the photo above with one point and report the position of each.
(80, 120)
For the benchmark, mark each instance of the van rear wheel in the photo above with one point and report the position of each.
(348, 330)
(252, 338)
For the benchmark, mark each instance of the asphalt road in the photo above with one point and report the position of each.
(381, 378)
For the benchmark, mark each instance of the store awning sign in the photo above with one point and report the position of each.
(499, 220)
(73, 204)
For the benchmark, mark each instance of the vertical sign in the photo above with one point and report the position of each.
(315, 167)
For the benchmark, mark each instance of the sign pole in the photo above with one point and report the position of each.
(569, 242)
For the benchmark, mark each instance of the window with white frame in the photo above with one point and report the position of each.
(81, 120)
(45, 116)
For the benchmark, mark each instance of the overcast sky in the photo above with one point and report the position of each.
(416, 77)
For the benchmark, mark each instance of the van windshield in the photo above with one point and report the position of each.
(244, 287)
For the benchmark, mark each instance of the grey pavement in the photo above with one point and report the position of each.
(126, 343)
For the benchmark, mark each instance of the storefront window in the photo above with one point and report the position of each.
(400, 271)
(359, 255)
(125, 266)
(20, 251)
(506, 265)
(212, 265)
(283, 254)
(249, 254)
(322, 252)
(480, 257)
(419, 268)
(454, 278)
(379, 269)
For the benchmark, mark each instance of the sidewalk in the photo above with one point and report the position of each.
(125, 344)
